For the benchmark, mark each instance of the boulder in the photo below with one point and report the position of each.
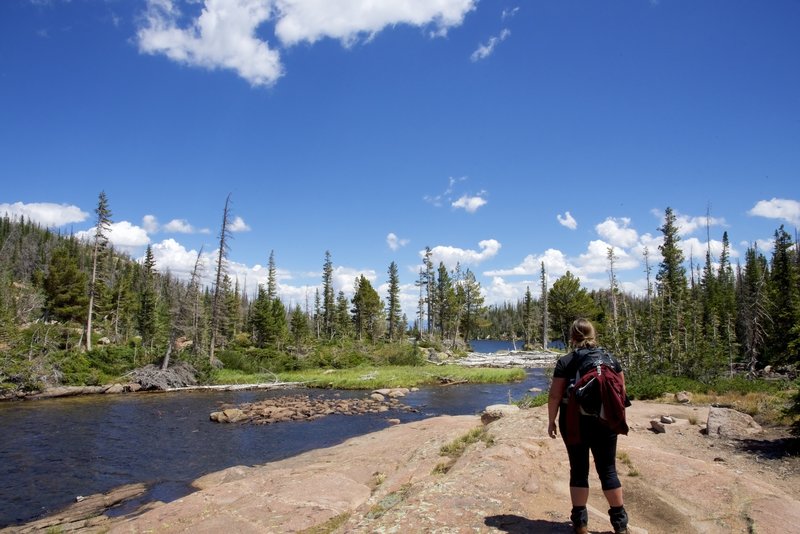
(667, 419)
(497, 411)
(115, 388)
(684, 397)
(728, 423)
(377, 397)
(657, 427)
(103, 341)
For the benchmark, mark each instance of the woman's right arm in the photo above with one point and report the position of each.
(557, 388)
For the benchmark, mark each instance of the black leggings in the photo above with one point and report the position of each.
(603, 444)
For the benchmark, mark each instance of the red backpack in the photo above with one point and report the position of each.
(599, 390)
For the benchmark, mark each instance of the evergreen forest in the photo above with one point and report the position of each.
(81, 312)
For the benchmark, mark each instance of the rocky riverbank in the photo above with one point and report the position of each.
(512, 478)
(305, 408)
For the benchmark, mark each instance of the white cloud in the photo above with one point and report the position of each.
(616, 232)
(171, 256)
(554, 260)
(500, 290)
(238, 225)
(687, 224)
(150, 224)
(347, 20)
(179, 226)
(650, 243)
(567, 220)
(485, 50)
(225, 34)
(123, 235)
(452, 255)
(470, 204)
(46, 214)
(595, 259)
(778, 208)
(395, 242)
(222, 36)
(509, 12)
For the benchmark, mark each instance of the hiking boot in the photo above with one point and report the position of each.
(619, 519)
(580, 519)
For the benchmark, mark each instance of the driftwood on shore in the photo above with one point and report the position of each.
(86, 514)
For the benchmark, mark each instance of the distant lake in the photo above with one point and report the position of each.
(489, 346)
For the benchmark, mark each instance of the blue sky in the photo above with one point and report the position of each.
(501, 134)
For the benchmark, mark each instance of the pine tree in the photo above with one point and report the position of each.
(367, 310)
(342, 322)
(393, 309)
(784, 339)
(65, 285)
(753, 299)
(568, 301)
(528, 317)
(146, 317)
(545, 311)
(671, 286)
(328, 299)
(299, 325)
(470, 290)
(102, 226)
(430, 293)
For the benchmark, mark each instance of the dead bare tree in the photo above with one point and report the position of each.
(217, 302)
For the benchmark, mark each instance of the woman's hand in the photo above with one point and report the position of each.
(552, 429)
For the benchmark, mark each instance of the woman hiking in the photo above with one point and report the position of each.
(583, 433)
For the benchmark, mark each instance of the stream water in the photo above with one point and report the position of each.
(54, 450)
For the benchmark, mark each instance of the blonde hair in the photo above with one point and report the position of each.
(582, 334)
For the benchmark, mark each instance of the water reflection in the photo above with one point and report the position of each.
(53, 450)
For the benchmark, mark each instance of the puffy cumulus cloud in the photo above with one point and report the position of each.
(617, 232)
(182, 226)
(44, 213)
(171, 256)
(485, 50)
(555, 262)
(450, 256)
(694, 248)
(395, 242)
(470, 204)
(150, 224)
(347, 20)
(595, 259)
(687, 224)
(650, 244)
(123, 235)
(778, 208)
(500, 291)
(238, 225)
(223, 36)
(567, 220)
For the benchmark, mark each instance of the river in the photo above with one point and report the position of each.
(54, 450)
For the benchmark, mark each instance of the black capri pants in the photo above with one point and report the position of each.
(602, 442)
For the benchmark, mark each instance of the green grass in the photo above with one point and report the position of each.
(374, 377)
(457, 447)
(533, 401)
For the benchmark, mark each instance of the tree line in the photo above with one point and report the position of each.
(699, 323)
(62, 295)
